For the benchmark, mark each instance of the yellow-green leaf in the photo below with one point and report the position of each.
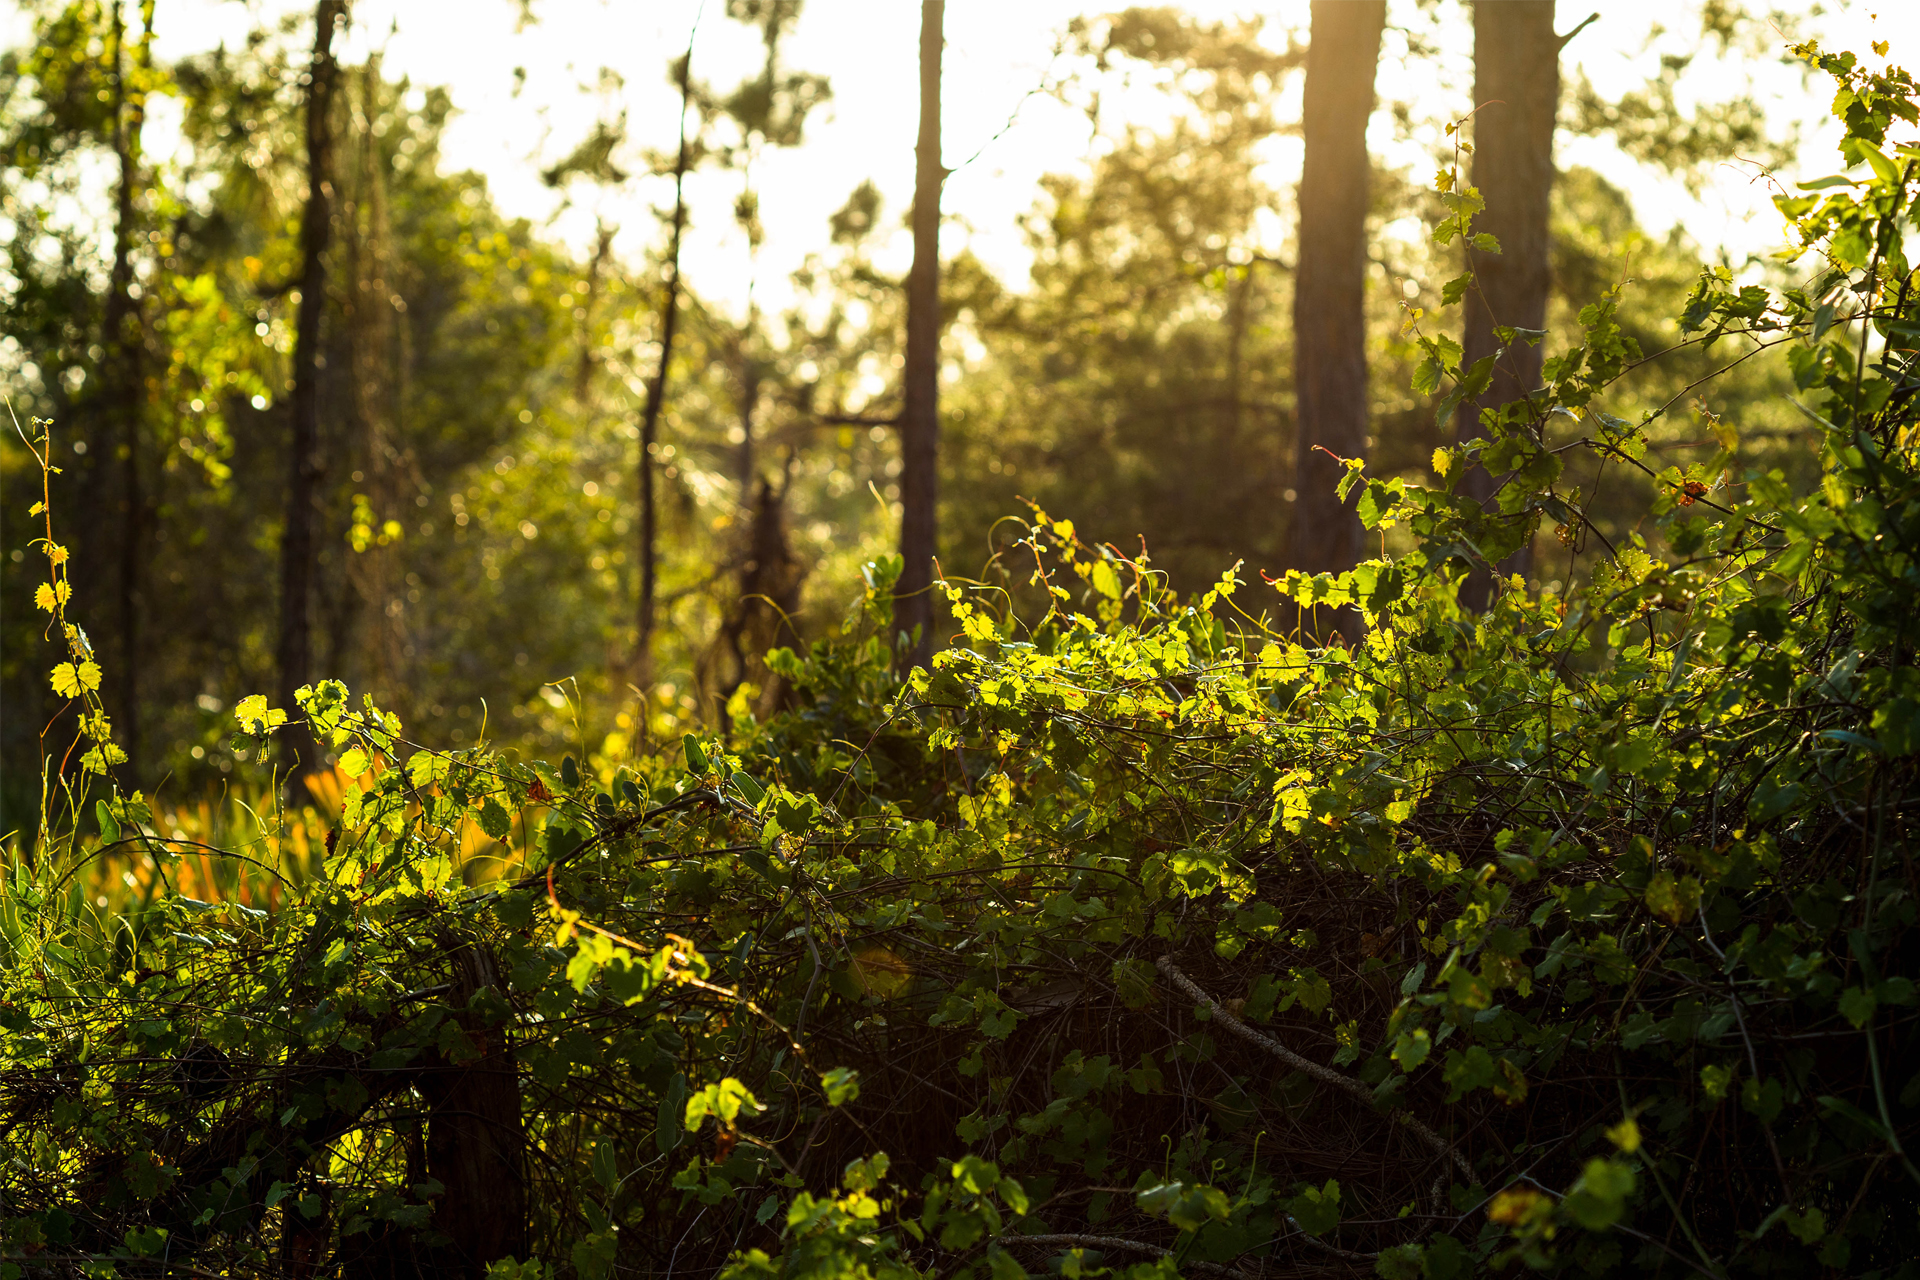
(1625, 1135)
(254, 715)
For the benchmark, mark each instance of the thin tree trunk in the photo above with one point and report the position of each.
(304, 463)
(1516, 90)
(123, 326)
(750, 380)
(596, 270)
(920, 413)
(476, 1136)
(1329, 302)
(374, 571)
(1239, 303)
(657, 392)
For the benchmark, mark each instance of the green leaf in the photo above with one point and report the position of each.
(723, 1101)
(697, 763)
(976, 1175)
(1808, 1227)
(796, 815)
(668, 1128)
(1146, 1077)
(1190, 1206)
(606, 1166)
(1468, 1071)
(1401, 1262)
(841, 1085)
(1312, 990)
(1884, 169)
(1412, 1048)
(255, 717)
(1763, 1100)
(1105, 580)
(1376, 500)
(109, 829)
(1896, 726)
(1446, 1259)
(1599, 1198)
(1426, 380)
(425, 768)
(1857, 1005)
(494, 819)
(1317, 1209)
(1134, 980)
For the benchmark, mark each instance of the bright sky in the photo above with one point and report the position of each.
(998, 53)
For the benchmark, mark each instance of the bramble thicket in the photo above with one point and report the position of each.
(1137, 935)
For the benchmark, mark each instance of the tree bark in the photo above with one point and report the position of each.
(125, 341)
(1516, 93)
(656, 397)
(302, 754)
(476, 1137)
(1329, 301)
(920, 413)
(375, 571)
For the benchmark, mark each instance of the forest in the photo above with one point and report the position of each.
(1354, 719)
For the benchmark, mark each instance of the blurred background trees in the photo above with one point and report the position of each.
(310, 318)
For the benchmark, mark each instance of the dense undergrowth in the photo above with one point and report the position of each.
(1573, 935)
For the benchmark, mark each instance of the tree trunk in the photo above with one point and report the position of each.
(125, 342)
(750, 374)
(596, 272)
(1329, 301)
(304, 463)
(1329, 320)
(1516, 90)
(656, 397)
(476, 1137)
(374, 570)
(920, 413)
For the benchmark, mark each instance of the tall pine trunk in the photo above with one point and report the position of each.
(656, 397)
(304, 464)
(1329, 302)
(374, 571)
(920, 412)
(1516, 93)
(124, 327)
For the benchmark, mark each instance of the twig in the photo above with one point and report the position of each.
(1072, 1241)
(1306, 1065)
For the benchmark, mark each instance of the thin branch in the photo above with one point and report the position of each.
(1306, 1065)
(1070, 1240)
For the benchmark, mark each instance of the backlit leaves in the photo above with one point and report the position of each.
(71, 680)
